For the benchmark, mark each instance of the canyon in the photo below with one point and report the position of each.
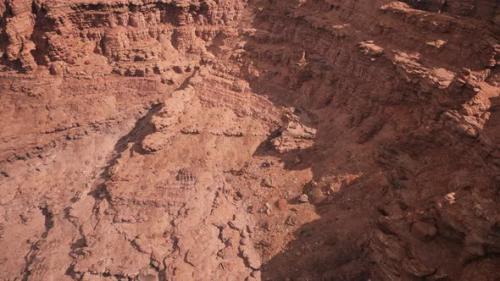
(295, 140)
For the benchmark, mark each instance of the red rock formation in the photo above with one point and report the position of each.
(249, 140)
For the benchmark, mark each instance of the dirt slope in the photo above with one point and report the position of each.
(250, 140)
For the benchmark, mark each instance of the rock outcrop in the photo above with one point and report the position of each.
(249, 140)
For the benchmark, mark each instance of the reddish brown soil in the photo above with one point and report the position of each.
(274, 140)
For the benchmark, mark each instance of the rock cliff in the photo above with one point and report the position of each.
(250, 140)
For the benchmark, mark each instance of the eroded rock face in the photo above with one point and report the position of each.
(135, 38)
(249, 140)
(294, 136)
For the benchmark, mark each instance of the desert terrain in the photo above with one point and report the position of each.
(280, 140)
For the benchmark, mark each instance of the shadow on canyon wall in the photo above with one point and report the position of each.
(354, 109)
